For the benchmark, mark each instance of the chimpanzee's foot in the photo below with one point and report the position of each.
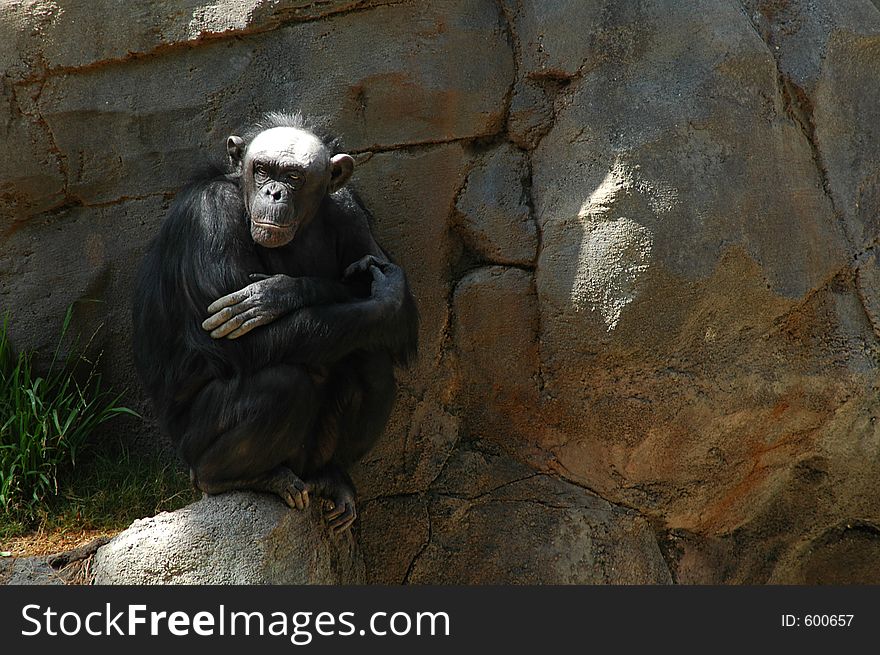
(287, 484)
(282, 482)
(340, 508)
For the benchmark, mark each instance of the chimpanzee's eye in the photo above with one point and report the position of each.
(293, 177)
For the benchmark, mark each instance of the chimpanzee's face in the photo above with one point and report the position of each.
(285, 174)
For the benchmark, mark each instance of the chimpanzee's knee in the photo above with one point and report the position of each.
(248, 426)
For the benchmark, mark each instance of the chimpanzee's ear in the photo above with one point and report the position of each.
(341, 168)
(235, 151)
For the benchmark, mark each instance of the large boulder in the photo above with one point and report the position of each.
(232, 538)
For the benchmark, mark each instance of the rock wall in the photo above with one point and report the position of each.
(643, 237)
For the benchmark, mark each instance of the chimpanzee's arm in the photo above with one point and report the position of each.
(340, 235)
(267, 299)
(321, 334)
(313, 320)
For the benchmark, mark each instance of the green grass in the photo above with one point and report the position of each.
(47, 420)
(108, 490)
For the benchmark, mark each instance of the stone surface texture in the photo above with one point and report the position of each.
(643, 238)
(29, 571)
(233, 538)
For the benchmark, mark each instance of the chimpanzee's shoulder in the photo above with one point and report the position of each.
(209, 207)
(345, 208)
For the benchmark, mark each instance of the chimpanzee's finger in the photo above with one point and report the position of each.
(360, 266)
(344, 521)
(247, 326)
(235, 323)
(336, 510)
(353, 269)
(218, 319)
(288, 498)
(228, 301)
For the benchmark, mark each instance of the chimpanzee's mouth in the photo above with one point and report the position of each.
(272, 226)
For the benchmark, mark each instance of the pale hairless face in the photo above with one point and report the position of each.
(285, 174)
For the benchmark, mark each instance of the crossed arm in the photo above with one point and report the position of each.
(315, 320)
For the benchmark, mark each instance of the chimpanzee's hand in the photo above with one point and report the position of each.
(389, 284)
(259, 303)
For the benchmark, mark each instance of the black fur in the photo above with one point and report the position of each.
(312, 390)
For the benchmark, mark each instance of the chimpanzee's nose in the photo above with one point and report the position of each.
(273, 190)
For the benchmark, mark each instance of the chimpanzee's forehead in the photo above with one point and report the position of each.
(289, 144)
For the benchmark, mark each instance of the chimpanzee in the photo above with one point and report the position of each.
(268, 321)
